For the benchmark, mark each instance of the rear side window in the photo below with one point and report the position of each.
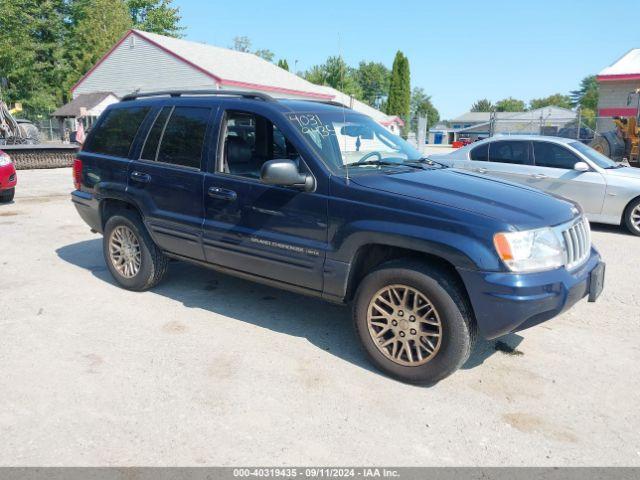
(183, 137)
(480, 153)
(509, 152)
(150, 150)
(116, 132)
(553, 155)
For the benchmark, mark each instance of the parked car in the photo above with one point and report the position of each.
(607, 191)
(8, 178)
(320, 200)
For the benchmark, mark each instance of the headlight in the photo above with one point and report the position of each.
(4, 159)
(531, 250)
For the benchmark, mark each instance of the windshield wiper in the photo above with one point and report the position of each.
(612, 167)
(428, 161)
(382, 163)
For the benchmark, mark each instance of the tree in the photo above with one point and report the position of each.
(399, 101)
(510, 104)
(587, 95)
(555, 100)
(156, 16)
(588, 117)
(421, 106)
(282, 63)
(373, 79)
(342, 77)
(482, 105)
(243, 44)
(316, 74)
(337, 74)
(265, 54)
(32, 56)
(98, 23)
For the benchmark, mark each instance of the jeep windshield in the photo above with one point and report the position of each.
(346, 140)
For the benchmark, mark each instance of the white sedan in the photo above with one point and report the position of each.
(608, 192)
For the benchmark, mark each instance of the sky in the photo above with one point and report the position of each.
(458, 51)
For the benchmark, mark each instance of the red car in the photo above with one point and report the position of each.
(8, 178)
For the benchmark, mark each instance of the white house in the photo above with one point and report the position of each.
(143, 62)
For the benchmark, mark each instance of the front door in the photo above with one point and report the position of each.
(274, 232)
(167, 178)
(554, 173)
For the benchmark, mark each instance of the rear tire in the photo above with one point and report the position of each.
(427, 330)
(7, 195)
(601, 144)
(30, 133)
(632, 217)
(135, 262)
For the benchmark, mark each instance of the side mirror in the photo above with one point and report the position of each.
(285, 173)
(581, 167)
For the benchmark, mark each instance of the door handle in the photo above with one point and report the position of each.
(538, 175)
(481, 170)
(140, 177)
(222, 194)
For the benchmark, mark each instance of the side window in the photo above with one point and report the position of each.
(553, 155)
(150, 149)
(480, 153)
(249, 141)
(116, 131)
(509, 152)
(183, 137)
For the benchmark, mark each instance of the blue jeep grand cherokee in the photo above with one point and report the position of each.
(321, 200)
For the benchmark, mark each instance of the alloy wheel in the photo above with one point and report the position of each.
(404, 325)
(124, 251)
(635, 217)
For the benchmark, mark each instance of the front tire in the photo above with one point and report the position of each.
(414, 321)
(632, 217)
(133, 259)
(7, 195)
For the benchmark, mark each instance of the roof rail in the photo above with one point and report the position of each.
(331, 102)
(179, 93)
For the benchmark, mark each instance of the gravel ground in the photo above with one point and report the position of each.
(210, 370)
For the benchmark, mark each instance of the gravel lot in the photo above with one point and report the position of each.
(211, 370)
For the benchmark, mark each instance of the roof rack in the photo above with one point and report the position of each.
(179, 93)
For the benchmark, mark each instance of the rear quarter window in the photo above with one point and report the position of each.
(116, 132)
(480, 153)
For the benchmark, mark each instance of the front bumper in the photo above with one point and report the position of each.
(505, 302)
(8, 177)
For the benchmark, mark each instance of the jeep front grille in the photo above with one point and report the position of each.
(577, 241)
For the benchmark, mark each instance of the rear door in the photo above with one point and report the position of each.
(554, 173)
(510, 160)
(278, 233)
(167, 177)
(506, 159)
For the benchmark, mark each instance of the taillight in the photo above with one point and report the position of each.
(77, 173)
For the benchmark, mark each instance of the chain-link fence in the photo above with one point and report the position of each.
(48, 127)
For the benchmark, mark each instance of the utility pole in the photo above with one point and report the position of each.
(579, 122)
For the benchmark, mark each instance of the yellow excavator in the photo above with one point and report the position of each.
(15, 131)
(623, 142)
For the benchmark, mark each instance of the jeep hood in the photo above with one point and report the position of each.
(517, 205)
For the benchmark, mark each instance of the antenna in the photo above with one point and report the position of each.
(344, 108)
